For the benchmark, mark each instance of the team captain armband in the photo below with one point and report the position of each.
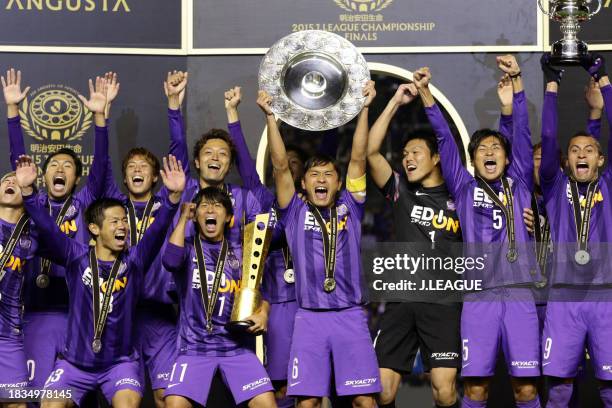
(357, 185)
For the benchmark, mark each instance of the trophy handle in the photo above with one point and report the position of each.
(596, 11)
(546, 12)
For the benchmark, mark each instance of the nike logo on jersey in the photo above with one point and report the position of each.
(465, 365)
(294, 384)
(419, 193)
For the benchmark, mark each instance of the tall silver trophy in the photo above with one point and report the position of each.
(570, 13)
(315, 79)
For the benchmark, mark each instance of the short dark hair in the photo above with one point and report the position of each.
(321, 160)
(425, 135)
(68, 151)
(298, 151)
(94, 214)
(482, 134)
(214, 195)
(148, 156)
(586, 134)
(214, 134)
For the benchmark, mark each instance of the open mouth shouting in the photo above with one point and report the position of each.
(582, 169)
(410, 168)
(321, 193)
(10, 190)
(120, 237)
(490, 166)
(138, 181)
(210, 224)
(59, 183)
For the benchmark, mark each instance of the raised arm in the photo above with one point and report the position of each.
(244, 161)
(355, 174)
(175, 86)
(595, 102)
(455, 174)
(378, 167)
(173, 178)
(13, 95)
(112, 90)
(505, 95)
(550, 166)
(173, 256)
(97, 102)
(520, 138)
(53, 243)
(285, 189)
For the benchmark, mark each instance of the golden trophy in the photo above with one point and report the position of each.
(257, 237)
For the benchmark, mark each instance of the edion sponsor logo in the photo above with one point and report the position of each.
(445, 356)
(526, 364)
(363, 382)
(256, 384)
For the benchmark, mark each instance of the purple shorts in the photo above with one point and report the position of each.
(569, 327)
(278, 339)
(243, 374)
(78, 381)
(13, 368)
(497, 317)
(332, 342)
(156, 340)
(44, 338)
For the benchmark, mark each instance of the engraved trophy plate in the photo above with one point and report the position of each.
(570, 13)
(315, 79)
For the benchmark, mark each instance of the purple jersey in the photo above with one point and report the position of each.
(246, 206)
(194, 339)
(557, 198)
(483, 223)
(74, 225)
(12, 278)
(274, 287)
(306, 244)
(117, 345)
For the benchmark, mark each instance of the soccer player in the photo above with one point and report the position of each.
(17, 247)
(213, 156)
(324, 235)
(502, 314)
(155, 317)
(406, 327)
(105, 281)
(205, 345)
(579, 303)
(278, 285)
(46, 293)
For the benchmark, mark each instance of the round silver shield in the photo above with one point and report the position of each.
(315, 79)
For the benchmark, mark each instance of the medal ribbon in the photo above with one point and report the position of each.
(137, 233)
(45, 264)
(542, 235)
(100, 313)
(583, 221)
(329, 239)
(508, 209)
(209, 303)
(13, 239)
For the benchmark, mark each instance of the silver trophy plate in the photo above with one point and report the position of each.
(315, 79)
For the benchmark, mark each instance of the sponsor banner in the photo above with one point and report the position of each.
(52, 116)
(366, 23)
(91, 23)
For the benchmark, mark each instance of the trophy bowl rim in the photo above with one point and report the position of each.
(282, 98)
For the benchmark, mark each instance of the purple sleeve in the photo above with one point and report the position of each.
(521, 165)
(53, 244)
(355, 207)
(244, 161)
(96, 180)
(173, 257)
(111, 189)
(151, 243)
(178, 138)
(252, 207)
(550, 167)
(606, 92)
(16, 143)
(594, 128)
(455, 175)
(288, 216)
(505, 125)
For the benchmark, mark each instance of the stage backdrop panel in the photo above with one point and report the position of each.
(91, 23)
(367, 23)
(54, 117)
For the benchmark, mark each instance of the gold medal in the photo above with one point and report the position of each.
(329, 285)
(289, 276)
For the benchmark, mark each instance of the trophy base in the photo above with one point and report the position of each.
(239, 327)
(568, 52)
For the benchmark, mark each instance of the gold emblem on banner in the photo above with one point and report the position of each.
(363, 6)
(55, 113)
